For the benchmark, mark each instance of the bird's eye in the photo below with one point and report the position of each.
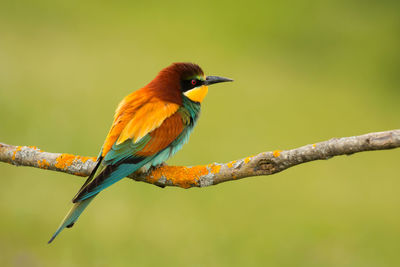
(193, 82)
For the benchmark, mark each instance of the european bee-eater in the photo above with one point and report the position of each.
(150, 125)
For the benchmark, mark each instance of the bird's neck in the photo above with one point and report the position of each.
(192, 106)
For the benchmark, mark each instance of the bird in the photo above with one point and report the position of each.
(150, 125)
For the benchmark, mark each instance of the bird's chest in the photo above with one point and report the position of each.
(190, 112)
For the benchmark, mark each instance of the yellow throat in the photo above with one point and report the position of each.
(197, 94)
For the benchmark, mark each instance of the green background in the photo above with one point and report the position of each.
(305, 71)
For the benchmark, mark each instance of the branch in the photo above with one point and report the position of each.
(265, 163)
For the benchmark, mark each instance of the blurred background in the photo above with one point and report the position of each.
(305, 71)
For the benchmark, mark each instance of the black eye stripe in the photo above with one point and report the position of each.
(186, 85)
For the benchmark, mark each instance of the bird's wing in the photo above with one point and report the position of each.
(136, 116)
(152, 128)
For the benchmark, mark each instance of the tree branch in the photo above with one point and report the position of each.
(265, 163)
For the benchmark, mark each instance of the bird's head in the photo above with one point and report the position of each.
(184, 79)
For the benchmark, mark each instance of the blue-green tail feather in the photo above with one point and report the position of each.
(72, 216)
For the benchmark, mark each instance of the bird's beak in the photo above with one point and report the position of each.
(216, 79)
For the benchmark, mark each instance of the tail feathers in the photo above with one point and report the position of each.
(72, 216)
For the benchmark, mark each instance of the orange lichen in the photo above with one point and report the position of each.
(15, 152)
(64, 161)
(182, 176)
(314, 145)
(276, 153)
(214, 168)
(43, 164)
(230, 164)
(84, 159)
(246, 160)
